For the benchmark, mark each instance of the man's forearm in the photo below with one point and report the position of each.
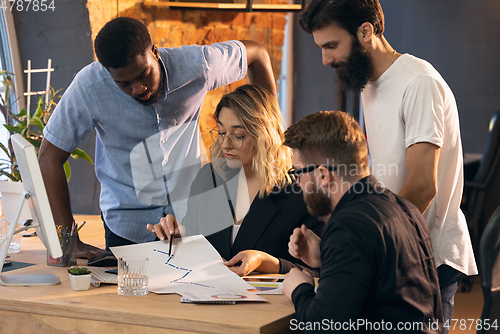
(58, 192)
(56, 185)
(260, 71)
(421, 196)
(420, 187)
(260, 74)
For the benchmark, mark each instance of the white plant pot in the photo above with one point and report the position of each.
(11, 191)
(80, 282)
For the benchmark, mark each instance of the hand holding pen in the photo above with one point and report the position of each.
(167, 228)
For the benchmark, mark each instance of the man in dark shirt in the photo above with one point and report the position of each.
(376, 259)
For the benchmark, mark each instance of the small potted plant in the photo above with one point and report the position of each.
(79, 278)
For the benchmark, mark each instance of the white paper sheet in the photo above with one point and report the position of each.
(194, 266)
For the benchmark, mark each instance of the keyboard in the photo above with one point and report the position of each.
(99, 275)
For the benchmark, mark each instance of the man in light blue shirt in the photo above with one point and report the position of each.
(144, 104)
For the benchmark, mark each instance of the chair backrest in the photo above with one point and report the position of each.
(489, 262)
(482, 202)
(491, 154)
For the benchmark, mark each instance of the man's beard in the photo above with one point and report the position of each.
(155, 97)
(355, 72)
(318, 203)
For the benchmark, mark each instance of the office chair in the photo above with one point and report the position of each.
(482, 184)
(489, 263)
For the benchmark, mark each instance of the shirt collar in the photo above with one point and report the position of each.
(366, 185)
(163, 53)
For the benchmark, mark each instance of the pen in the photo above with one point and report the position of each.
(171, 240)
(170, 247)
(78, 230)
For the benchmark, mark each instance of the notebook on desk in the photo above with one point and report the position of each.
(220, 297)
(99, 275)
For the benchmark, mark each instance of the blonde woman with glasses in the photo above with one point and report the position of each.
(244, 201)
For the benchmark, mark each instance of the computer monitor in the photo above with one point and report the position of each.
(35, 195)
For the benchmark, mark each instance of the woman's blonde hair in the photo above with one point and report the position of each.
(260, 115)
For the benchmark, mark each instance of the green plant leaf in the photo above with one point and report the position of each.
(16, 173)
(30, 127)
(14, 128)
(8, 80)
(36, 121)
(67, 171)
(10, 176)
(22, 113)
(34, 142)
(80, 154)
(5, 149)
(39, 107)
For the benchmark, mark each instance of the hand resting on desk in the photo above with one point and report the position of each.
(166, 227)
(253, 260)
(293, 279)
(86, 251)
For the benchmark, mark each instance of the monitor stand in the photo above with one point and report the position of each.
(21, 280)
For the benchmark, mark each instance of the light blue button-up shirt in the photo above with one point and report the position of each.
(165, 133)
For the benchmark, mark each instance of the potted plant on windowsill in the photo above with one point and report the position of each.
(30, 126)
(79, 278)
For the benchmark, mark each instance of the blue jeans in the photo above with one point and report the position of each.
(449, 280)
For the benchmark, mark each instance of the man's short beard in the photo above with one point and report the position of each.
(355, 72)
(318, 202)
(155, 97)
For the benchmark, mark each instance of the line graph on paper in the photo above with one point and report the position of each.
(184, 271)
(194, 265)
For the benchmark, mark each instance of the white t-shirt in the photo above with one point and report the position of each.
(408, 104)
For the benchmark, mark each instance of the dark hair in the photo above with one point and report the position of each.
(120, 41)
(330, 136)
(348, 14)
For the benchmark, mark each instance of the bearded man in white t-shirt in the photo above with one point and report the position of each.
(412, 125)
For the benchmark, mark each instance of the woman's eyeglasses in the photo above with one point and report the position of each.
(236, 141)
(298, 172)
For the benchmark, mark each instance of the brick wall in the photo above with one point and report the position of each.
(173, 28)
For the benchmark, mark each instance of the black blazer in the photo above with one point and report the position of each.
(267, 225)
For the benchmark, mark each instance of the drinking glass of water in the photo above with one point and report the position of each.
(133, 276)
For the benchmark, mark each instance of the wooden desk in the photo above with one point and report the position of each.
(59, 309)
